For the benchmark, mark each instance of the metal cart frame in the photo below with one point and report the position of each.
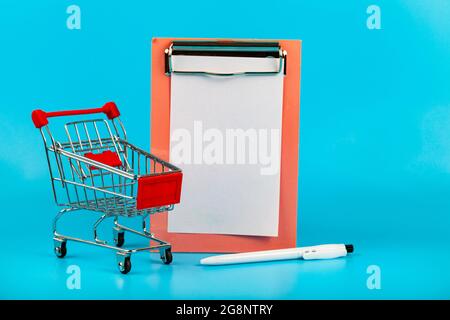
(97, 169)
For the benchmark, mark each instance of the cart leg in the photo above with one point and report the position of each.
(123, 262)
(58, 216)
(144, 226)
(96, 224)
(59, 242)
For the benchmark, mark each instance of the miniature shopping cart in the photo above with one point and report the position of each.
(94, 168)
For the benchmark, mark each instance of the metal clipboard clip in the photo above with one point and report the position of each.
(244, 49)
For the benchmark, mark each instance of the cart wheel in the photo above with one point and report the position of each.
(167, 256)
(125, 265)
(120, 239)
(61, 250)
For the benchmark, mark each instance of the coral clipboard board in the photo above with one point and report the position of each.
(160, 140)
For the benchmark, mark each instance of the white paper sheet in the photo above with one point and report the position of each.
(226, 137)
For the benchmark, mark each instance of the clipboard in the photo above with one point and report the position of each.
(162, 48)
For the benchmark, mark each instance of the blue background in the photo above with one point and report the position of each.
(374, 156)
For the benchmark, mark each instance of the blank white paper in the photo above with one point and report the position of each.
(238, 192)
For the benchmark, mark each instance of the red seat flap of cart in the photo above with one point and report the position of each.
(159, 190)
(106, 157)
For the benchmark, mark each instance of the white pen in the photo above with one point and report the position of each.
(324, 251)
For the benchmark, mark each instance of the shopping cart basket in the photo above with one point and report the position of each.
(94, 168)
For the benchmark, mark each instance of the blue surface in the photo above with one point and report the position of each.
(375, 146)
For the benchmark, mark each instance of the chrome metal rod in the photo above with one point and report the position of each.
(125, 251)
(96, 224)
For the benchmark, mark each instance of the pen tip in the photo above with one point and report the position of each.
(349, 248)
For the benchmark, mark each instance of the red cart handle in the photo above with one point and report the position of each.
(40, 118)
